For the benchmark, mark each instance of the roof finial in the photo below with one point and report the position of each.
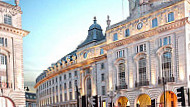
(17, 2)
(108, 20)
(95, 20)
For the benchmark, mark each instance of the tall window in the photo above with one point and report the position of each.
(70, 96)
(102, 65)
(127, 33)
(142, 70)
(65, 96)
(103, 78)
(171, 17)
(8, 19)
(65, 86)
(76, 73)
(88, 87)
(166, 65)
(76, 83)
(65, 77)
(70, 84)
(122, 74)
(154, 22)
(115, 37)
(103, 90)
(3, 59)
(70, 75)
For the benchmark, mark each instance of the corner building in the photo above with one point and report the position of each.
(11, 56)
(127, 66)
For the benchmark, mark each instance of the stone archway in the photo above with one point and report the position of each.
(6, 102)
(170, 99)
(122, 102)
(143, 101)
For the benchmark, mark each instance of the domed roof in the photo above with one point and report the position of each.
(95, 25)
(94, 34)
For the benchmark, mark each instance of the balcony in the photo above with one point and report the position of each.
(5, 85)
(166, 79)
(142, 83)
(120, 87)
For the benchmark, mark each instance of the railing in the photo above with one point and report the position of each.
(119, 87)
(142, 83)
(5, 85)
(166, 79)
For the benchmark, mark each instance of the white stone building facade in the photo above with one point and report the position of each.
(130, 62)
(11, 56)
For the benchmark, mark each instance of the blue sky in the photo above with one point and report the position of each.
(58, 26)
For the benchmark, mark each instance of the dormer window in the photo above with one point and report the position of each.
(101, 51)
(127, 33)
(85, 55)
(8, 19)
(154, 22)
(171, 17)
(115, 37)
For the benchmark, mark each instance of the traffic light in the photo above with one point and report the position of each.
(181, 96)
(153, 103)
(95, 101)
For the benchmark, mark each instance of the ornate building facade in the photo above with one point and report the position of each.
(129, 64)
(11, 56)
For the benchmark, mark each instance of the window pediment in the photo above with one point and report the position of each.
(166, 48)
(140, 55)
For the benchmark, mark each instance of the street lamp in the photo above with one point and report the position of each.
(78, 94)
(26, 88)
(112, 95)
(164, 83)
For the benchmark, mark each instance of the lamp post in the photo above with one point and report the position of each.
(163, 79)
(112, 95)
(26, 88)
(78, 94)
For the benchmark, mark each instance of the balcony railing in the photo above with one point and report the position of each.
(120, 87)
(166, 79)
(142, 83)
(5, 85)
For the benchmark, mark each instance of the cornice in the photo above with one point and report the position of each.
(146, 34)
(11, 29)
(83, 63)
(11, 7)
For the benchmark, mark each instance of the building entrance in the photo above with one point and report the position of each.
(143, 101)
(170, 99)
(6, 102)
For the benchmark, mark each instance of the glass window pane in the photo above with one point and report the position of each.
(115, 37)
(170, 17)
(127, 33)
(154, 23)
(165, 41)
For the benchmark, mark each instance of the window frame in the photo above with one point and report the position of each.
(154, 22)
(171, 17)
(115, 36)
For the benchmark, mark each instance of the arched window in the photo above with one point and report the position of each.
(166, 65)
(121, 74)
(142, 70)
